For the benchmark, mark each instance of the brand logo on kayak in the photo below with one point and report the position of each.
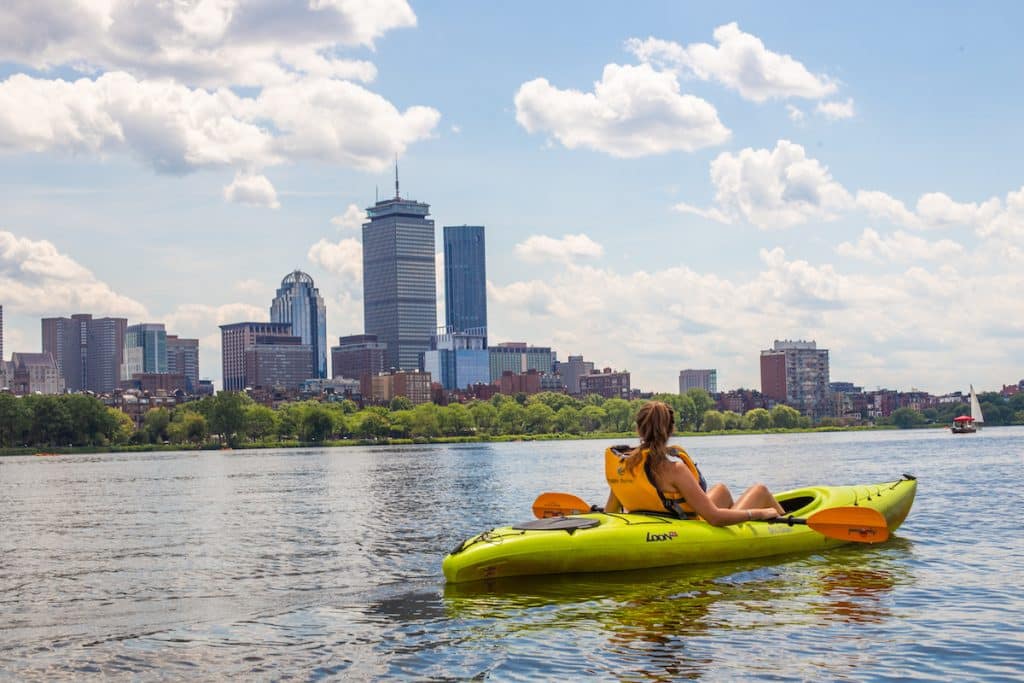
(654, 538)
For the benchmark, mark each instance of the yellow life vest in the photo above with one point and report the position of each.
(636, 490)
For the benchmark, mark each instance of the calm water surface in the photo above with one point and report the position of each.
(309, 564)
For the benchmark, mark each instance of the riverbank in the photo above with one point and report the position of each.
(340, 443)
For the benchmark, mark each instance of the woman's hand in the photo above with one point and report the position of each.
(764, 513)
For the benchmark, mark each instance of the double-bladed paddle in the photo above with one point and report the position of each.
(849, 523)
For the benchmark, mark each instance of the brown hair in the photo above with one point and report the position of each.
(654, 423)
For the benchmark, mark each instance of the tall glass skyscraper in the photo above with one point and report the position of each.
(145, 349)
(465, 278)
(298, 302)
(399, 285)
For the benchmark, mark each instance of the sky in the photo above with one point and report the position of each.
(663, 185)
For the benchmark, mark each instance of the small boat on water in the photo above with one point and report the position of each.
(969, 424)
(600, 542)
(42, 454)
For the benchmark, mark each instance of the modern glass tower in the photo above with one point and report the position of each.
(298, 302)
(399, 285)
(465, 278)
(145, 349)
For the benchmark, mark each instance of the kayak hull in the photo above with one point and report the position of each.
(640, 541)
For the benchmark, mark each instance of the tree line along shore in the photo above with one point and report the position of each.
(79, 422)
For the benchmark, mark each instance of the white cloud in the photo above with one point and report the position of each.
(711, 214)
(776, 188)
(254, 288)
(836, 111)
(938, 210)
(209, 42)
(252, 189)
(343, 258)
(882, 206)
(538, 248)
(633, 111)
(352, 219)
(796, 115)
(176, 129)
(37, 279)
(740, 61)
(900, 247)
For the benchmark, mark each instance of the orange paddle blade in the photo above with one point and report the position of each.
(558, 505)
(859, 524)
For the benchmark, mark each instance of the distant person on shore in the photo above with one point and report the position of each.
(656, 477)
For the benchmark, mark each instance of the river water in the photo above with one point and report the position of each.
(325, 563)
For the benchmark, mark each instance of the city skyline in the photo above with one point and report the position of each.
(665, 187)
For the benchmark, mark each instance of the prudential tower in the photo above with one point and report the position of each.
(298, 302)
(399, 279)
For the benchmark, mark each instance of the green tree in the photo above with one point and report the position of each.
(90, 423)
(511, 418)
(50, 421)
(758, 418)
(425, 421)
(567, 420)
(712, 421)
(400, 403)
(485, 415)
(14, 421)
(456, 420)
(554, 400)
(155, 423)
(539, 418)
(260, 422)
(124, 426)
(785, 417)
(316, 425)
(618, 415)
(400, 424)
(733, 420)
(592, 417)
(227, 414)
(905, 418)
(372, 425)
(702, 402)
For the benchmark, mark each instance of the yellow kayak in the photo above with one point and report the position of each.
(598, 541)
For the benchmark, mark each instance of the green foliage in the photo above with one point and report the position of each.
(227, 414)
(485, 416)
(511, 418)
(260, 422)
(539, 418)
(316, 425)
(155, 423)
(400, 403)
(702, 402)
(568, 420)
(758, 418)
(905, 418)
(785, 417)
(619, 415)
(712, 421)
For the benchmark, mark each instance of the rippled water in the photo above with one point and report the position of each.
(307, 564)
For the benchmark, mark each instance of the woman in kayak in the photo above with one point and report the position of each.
(657, 477)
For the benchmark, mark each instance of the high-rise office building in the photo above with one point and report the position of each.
(458, 360)
(399, 279)
(263, 355)
(465, 278)
(298, 302)
(796, 373)
(88, 351)
(518, 357)
(356, 356)
(145, 350)
(1, 333)
(183, 359)
(698, 379)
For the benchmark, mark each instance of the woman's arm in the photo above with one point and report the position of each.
(678, 477)
(613, 504)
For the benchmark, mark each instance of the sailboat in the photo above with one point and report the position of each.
(968, 424)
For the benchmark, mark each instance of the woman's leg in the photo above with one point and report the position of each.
(720, 496)
(758, 496)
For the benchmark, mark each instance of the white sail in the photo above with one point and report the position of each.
(976, 408)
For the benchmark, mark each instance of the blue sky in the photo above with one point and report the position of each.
(664, 186)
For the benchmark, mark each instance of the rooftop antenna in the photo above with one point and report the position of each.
(397, 196)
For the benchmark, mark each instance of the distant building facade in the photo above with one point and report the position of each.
(413, 385)
(1, 333)
(399, 279)
(512, 383)
(797, 373)
(465, 278)
(606, 383)
(264, 355)
(698, 379)
(298, 302)
(518, 357)
(154, 383)
(357, 355)
(458, 359)
(34, 373)
(571, 371)
(145, 349)
(183, 359)
(88, 351)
